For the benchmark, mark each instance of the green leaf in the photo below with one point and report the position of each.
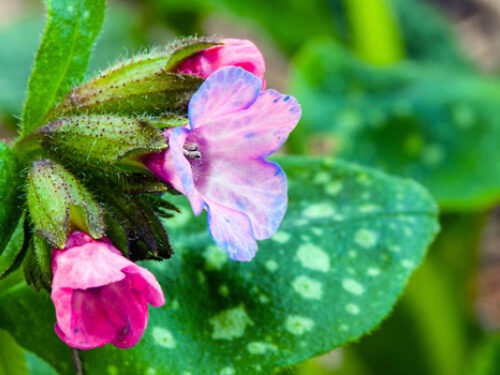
(99, 140)
(433, 40)
(12, 361)
(34, 330)
(14, 251)
(349, 242)
(9, 202)
(486, 359)
(426, 122)
(58, 203)
(62, 57)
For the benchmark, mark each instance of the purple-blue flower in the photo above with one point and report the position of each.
(219, 161)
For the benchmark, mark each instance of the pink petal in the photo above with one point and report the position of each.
(232, 231)
(127, 311)
(225, 92)
(257, 131)
(235, 52)
(172, 166)
(145, 283)
(256, 188)
(88, 266)
(89, 326)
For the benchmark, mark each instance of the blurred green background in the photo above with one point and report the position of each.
(407, 86)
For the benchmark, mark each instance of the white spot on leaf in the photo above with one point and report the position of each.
(366, 238)
(308, 288)
(215, 257)
(319, 211)
(163, 337)
(352, 286)
(352, 309)
(281, 237)
(271, 265)
(298, 325)
(312, 257)
(258, 347)
(230, 324)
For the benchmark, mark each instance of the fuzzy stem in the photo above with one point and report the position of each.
(77, 361)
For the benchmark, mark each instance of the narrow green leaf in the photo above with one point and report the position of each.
(61, 60)
(14, 251)
(58, 203)
(9, 202)
(344, 252)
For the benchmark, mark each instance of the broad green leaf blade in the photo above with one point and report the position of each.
(349, 242)
(9, 202)
(426, 122)
(12, 361)
(345, 250)
(61, 60)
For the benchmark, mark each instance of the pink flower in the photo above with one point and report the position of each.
(234, 52)
(99, 295)
(219, 162)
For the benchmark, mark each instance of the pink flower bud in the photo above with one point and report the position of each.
(234, 52)
(100, 296)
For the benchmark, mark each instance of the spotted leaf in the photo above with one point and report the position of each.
(344, 252)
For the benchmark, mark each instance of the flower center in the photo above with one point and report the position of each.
(191, 151)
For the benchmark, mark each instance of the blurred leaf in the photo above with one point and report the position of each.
(277, 17)
(374, 32)
(344, 253)
(9, 202)
(119, 38)
(433, 124)
(36, 366)
(487, 357)
(12, 361)
(62, 57)
(427, 35)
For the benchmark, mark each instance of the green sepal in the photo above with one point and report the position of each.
(14, 251)
(59, 204)
(146, 83)
(147, 239)
(185, 48)
(37, 264)
(116, 233)
(100, 141)
(169, 120)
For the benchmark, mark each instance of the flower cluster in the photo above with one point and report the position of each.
(215, 153)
